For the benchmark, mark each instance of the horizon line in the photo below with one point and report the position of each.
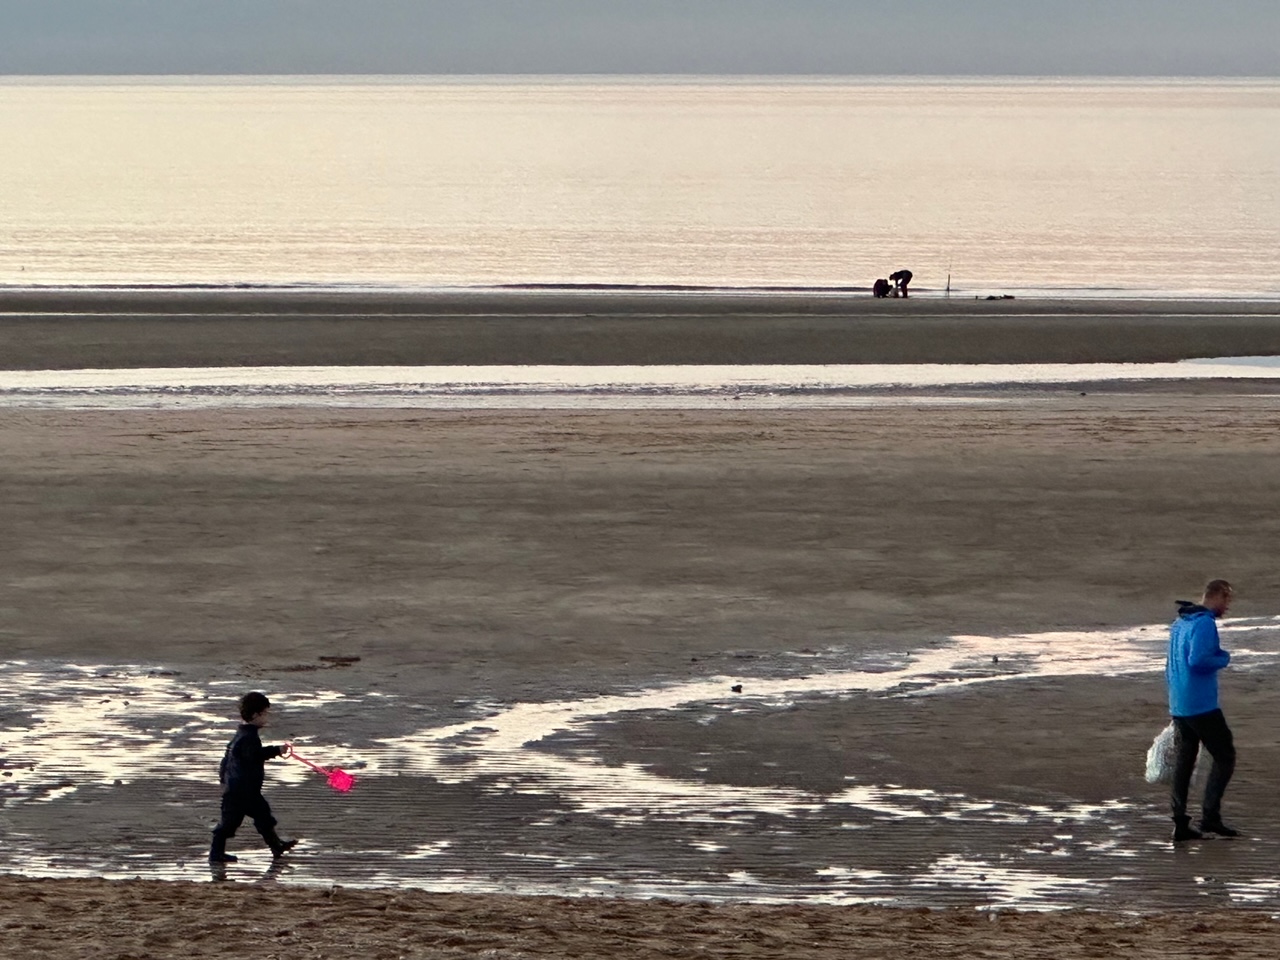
(647, 76)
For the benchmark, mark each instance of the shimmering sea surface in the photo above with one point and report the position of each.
(1098, 187)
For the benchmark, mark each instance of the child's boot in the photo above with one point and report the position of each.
(218, 851)
(279, 847)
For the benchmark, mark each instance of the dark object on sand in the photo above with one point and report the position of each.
(900, 280)
(881, 288)
(343, 661)
(1003, 296)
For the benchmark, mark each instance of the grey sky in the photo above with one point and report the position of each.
(1114, 37)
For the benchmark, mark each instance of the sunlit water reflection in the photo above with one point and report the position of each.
(573, 387)
(108, 771)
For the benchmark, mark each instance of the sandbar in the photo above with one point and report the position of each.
(73, 329)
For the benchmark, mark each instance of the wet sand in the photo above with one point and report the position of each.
(53, 329)
(473, 557)
(490, 544)
(478, 546)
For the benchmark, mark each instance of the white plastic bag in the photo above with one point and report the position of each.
(1162, 755)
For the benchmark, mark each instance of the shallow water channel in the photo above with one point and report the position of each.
(110, 771)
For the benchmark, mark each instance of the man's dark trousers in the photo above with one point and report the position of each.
(1210, 729)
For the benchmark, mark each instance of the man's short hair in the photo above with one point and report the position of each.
(252, 704)
(1218, 588)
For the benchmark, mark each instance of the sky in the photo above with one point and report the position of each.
(857, 37)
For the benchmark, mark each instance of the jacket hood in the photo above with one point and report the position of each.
(1188, 609)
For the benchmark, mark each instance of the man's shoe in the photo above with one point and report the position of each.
(222, 858)
(283, 847)
(1217, 828)
(1182, 830)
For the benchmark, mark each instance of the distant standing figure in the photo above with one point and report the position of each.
(900, 280)
(1195, 657)
(881, 288)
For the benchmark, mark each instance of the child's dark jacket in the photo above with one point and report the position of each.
(241, 771)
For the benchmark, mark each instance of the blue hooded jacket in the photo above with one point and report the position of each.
(1195, 657)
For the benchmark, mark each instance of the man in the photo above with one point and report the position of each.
(1191, 670)
(900, 280)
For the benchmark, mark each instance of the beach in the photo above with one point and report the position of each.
(451, 562)
(87, 918)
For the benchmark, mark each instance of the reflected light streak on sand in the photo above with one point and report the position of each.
(653, 386)
(105, 725)
(68, 728)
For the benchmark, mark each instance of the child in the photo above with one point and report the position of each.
(241, 777)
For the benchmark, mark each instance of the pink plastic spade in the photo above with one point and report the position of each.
(340, 780)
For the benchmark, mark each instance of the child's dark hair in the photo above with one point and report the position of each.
(252, 704)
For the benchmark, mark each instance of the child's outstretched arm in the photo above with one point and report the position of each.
(275, 750)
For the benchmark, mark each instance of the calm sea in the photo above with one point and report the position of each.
(1169, 188)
